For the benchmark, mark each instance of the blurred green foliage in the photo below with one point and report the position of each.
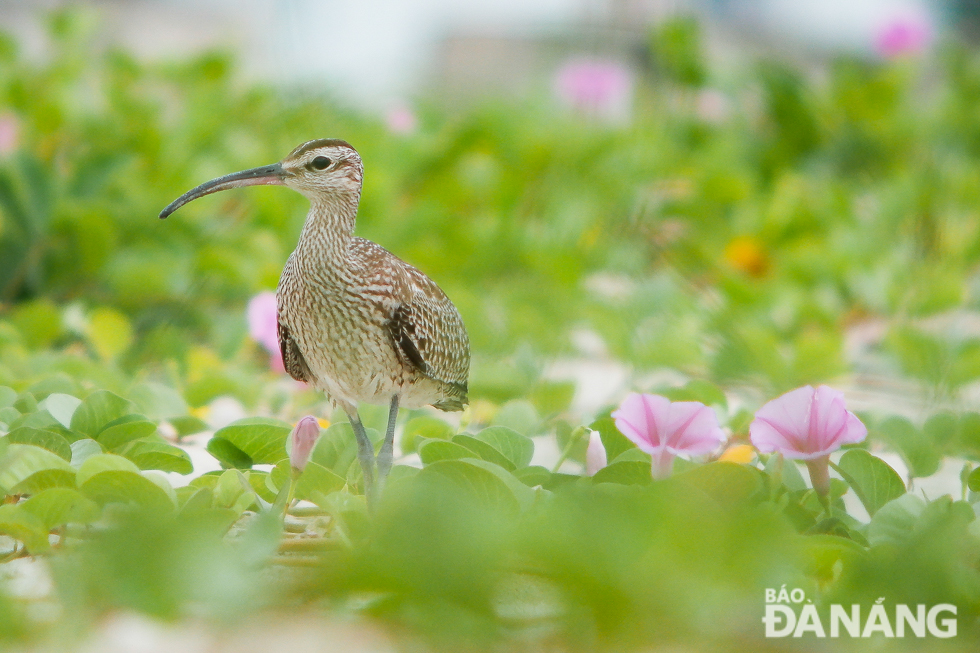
(743, 228)
(700, 240)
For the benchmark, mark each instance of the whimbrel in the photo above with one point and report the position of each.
(356, 321)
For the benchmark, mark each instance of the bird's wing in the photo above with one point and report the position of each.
(429, 332)
(426, 330)
(292, 359)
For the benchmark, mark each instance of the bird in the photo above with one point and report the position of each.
(354, 320)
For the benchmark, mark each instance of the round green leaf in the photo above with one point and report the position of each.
(61, 505)
(424, 427)
(150, 453)
(43, 480)
(872, 479)
(627, 472)
(97, 410)
(129, 487)
(118, 435)
(104, 462)
(23, 460)
(431, 451)
(260, 438)
(53, 442)
(517, 448)
(476, 481)
(61, 407)
(24, 526)
(483, 450)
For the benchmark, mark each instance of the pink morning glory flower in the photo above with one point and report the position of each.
(595, 87)
(302, 440)
(401, 120)
(903, 35)
(263, 325)
(665, 428)
(808, 424)
(595, 454)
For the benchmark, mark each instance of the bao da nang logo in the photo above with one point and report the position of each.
(790, 613)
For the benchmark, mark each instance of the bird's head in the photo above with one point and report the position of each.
(323, 170)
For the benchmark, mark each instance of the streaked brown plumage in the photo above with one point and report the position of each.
(355, 320)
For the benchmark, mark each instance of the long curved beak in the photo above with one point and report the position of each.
(271, 174)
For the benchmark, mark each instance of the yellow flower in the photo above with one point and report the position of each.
(740, 453)
(746, 254)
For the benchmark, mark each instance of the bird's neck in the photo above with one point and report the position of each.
(328, 229)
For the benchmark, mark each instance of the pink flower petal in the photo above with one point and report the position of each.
(636, 418)
(784, 422)
(595, 454)
(656, 424)
(263, 320)
(302, 440)
(693, 428)
(806, 423)
(903, 35)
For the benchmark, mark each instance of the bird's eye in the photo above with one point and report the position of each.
(320, 163)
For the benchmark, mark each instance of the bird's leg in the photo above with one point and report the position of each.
(386, 453)
(365, 452)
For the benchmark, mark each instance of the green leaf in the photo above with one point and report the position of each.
(262, 439)
(789, 473)
(25, 403)
(118, 435)
(517, 448)
(726, 482)
(922, 454)
(23, 460)
(317, 480)
(233, 491)
(525, 495)
(48, 478)
(104, 462)
(38, 419)
(193, 499)
(7, 396)
(187, 425)
(871, 478)
(336, 449)
(228, 454)
(613, 441)
(24, 526)
(158, 401)
(627, 472)
(483, 451)
(128, 487)
(97, 410)
(431, 451)
(533, 475)
(894, 521)
(9, 415)
(82, 450)
(636, 455)
(476, 481)
(154, 453)
(973, 480)
(61, 407)
(53, 442)
(61, 505)
(424, 427)
(259, 482)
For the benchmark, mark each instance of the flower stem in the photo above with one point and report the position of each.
(819, 469)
